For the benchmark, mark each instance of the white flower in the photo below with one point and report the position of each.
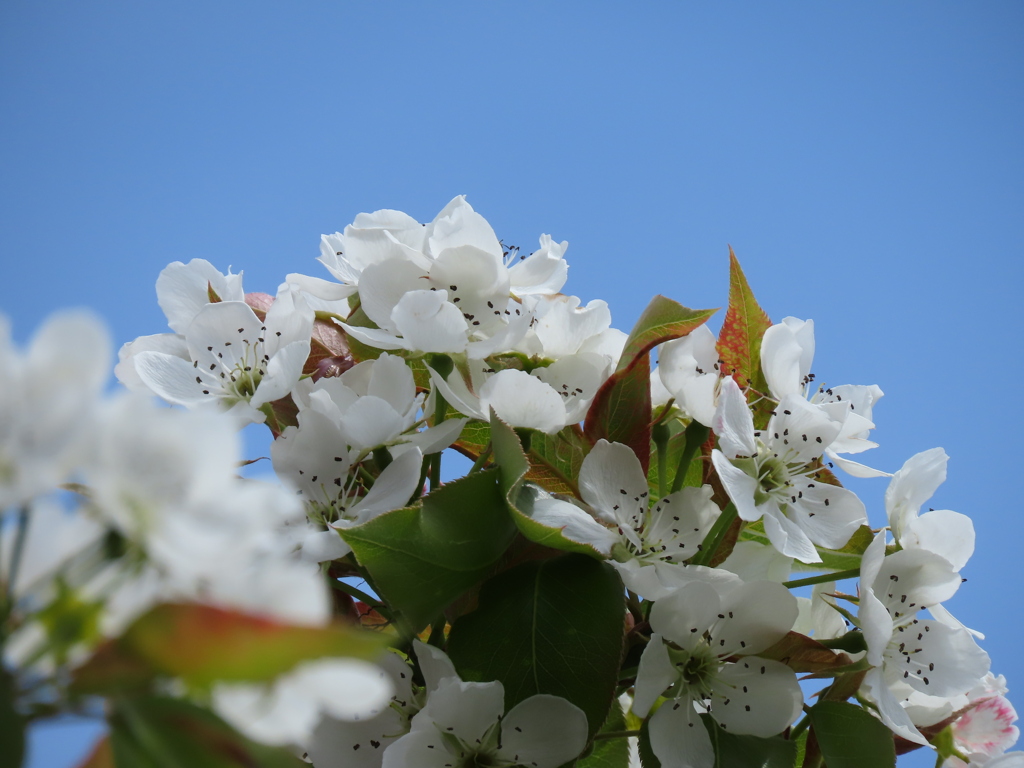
(768, 474)
(561, 327)
(465, 725)
(787, 351)
(911, 654)
(312, 459)
(234, 359)
(696, 632)
(286, 711)
(375, 404)
(48, 395)
(542, 273)
(649, 544)
(547, 399)
(689, 370)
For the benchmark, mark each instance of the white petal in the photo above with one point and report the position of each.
(685, 616)
(912, 579)
(466, 710)
(828, 514)
(653, 677)
(892, 714)
(283, 372)
(755, 696)
(787, 350)
(936, 659)
(167, 343)
(184, 289)
(393, 488)
(753, 617)
(373, 337)
(434, 439)
(383, 285)
(786, 536)
(419, 749)
(612, 482)
(800, 431)
(574, 524)
(678, 737)
(661, 579)
(543, 731)
(430, 323)
(435, 665)
(355, 744)
(544, 271)
(689, 370)
(391, 380)
(171, 378)
(372, 422)
(740, 486)
(913, 485)
(944, 532)
(522, 400)
(457, 394)
(733, 421)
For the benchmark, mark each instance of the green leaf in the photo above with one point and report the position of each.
(160, 732)
(849, 737)
(737, 751)
(647, 757)
(621, 410)
(662, 320)
(202, 644)
(609, 753)
(12, 724)
(555, 460)
(423, 557)
(513, 465)
(552, 626)
(739, 341)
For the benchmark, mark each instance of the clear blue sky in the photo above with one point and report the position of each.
(865, 161)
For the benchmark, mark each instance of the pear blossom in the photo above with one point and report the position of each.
(48, 396)
(910, 653)
(546, 399)
(697, 631)
(768, 474)
(375, 404)
(360, 742)
(311, 459)
(560, 327)
(689, 370)
(234, 359)
(649, 544)
(465, 724)
(787, 351)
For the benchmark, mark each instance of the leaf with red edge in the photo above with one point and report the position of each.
(662, 320)
(621, 410)
(260, 303)
(739, 341)
(202, 644)
(281, 414)
(101, 756)
(802, 654)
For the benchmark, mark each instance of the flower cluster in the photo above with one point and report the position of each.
(619, 562)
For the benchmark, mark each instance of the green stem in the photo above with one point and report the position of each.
(796, 730)
(660, 435)
(444, 366)
(481, 459)
(615, 735)
(382, 457)
(358, 594)
(696, 436)
(715, 536)
(822, 578)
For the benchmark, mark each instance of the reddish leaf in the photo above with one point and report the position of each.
(101, 756)
(202, 644)
(802, 654)
(621, 410)
(662, 320)
(329, 354)
(281, 414)
(739, 341)
(260, 303)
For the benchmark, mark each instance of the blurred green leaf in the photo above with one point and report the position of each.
(160, 732)
(423, 557)
(739, 751)
(12, 724)
(849, 737)
(553, 626)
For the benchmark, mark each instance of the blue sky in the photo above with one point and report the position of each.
(865, 161)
